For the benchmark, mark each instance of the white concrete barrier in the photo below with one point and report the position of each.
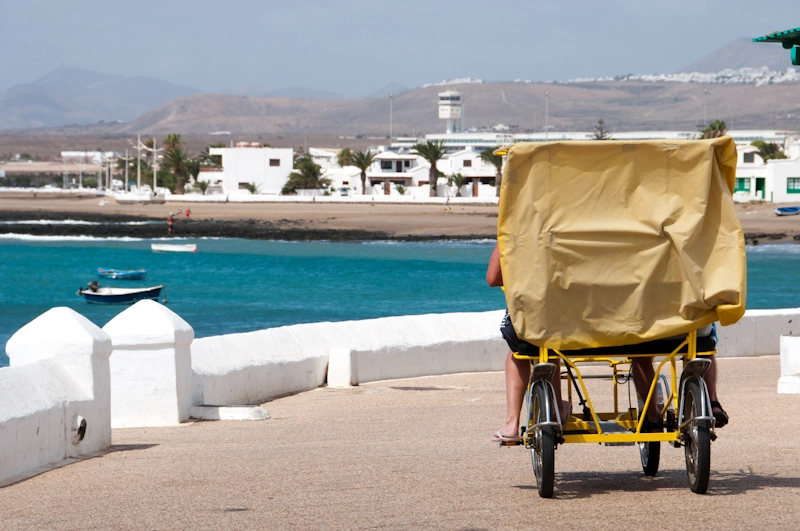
(55, 396)
(151, 374)
(254, 367)
(758, 333)
(789, 382)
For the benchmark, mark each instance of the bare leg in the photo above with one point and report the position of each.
(643, 375)
(711, 379)
(517, 374)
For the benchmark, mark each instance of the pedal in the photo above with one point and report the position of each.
(511, 443)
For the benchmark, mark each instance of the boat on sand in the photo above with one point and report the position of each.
(787, 211)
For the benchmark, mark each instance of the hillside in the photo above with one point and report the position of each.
(623, 106)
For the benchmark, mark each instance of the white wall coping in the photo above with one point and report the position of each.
(156, 326)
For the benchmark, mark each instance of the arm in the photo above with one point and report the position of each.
(494, 277)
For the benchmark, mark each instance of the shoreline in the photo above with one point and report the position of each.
(305, 221)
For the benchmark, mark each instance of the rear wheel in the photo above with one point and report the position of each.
(697, 440)
(544, 442)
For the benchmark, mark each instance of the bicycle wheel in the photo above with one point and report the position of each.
(650, 452)
(697, 441)
(544, 443)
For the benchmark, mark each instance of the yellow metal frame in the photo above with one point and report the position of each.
(627, 419)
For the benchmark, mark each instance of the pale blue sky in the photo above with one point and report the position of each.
(355, 47)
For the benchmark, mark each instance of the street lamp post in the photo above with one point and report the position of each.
(155, 151)
(546, 105)
(705, 107)
(390, 115)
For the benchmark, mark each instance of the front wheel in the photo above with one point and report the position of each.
(544, 442)
(697, 440)
(650, 453)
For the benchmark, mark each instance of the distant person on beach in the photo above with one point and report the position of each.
(188, 212)
(517, 371)
(171, 224)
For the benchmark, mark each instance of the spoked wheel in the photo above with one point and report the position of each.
(544, 443)
(697, 441)
(650, 452)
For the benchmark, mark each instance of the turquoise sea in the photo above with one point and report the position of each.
(233, 285)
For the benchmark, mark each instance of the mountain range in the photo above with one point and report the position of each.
(77, 98)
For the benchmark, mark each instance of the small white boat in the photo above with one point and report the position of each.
(174, 247)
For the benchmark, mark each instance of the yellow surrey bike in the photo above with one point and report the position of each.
(612, 251)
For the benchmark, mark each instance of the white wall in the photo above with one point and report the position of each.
(251, 165)
(58, 377)
(253, 367)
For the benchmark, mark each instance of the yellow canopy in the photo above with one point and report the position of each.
(608, 243)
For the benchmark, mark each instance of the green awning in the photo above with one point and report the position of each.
(790, 39)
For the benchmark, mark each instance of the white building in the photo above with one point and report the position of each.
(469, 164)
(267, 168)
(390, 169)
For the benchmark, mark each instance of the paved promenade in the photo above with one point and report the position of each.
(415, 454)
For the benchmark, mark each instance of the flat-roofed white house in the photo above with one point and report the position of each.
(777, 181)
(267, 168)
(393, 168)
(469, 164)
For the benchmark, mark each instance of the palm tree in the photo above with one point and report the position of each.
(768, 150)
(207, 159)
(251, 187)
(202, 186)
(497, 161)
(345, 157)
(307, 174)
(715, 129)
(432, 151)
(457, 180)
(176, 160)
(363, 160)
(601, 132)
(172, 141)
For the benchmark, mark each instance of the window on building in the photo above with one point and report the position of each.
(749, 157)
(386, 164)
(742, 184)
(467, 163)
(274, 162)
(793, 185)
(408, 164)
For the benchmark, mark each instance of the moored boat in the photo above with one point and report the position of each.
(174, 247)
(121, 274)
(787, 211)
(105, 295)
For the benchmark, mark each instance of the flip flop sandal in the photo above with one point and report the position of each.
(720, 416)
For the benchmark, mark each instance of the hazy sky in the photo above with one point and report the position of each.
(355, 47)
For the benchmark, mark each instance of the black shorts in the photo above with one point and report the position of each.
(507, 330)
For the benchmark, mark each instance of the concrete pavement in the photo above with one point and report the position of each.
(415, 454)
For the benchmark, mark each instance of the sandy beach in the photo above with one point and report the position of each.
(305, 221)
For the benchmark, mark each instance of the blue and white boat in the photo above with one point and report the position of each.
(121, 274)
(787, 211)
(104, 295)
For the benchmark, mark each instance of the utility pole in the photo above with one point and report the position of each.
(546, 104)
(390, 116)
(138, 163)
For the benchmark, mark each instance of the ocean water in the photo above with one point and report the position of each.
(233, 285)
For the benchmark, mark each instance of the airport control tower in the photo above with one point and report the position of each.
(450, 110)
